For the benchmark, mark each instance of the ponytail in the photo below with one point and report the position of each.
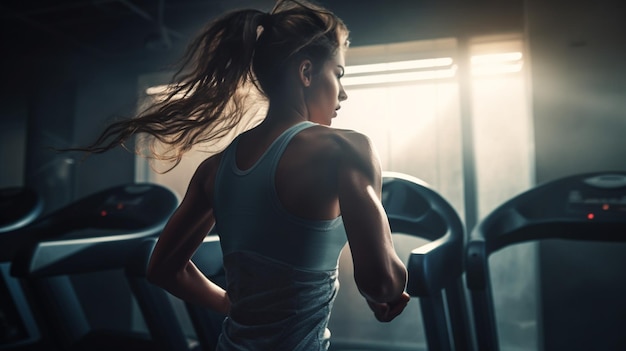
(237, 60)
(202, 103)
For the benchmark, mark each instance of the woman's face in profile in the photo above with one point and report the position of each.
(325, 93)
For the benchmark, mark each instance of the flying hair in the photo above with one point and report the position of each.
(228, 73)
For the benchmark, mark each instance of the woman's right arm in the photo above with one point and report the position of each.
(170, 264)
(379, 273)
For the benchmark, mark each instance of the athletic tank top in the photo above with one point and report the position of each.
(281, 270)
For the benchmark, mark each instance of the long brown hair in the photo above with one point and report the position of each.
(239, 53)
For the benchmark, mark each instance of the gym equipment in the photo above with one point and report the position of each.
(436, 268)
(98, 232)
(588, 207)
(19, 206)
(157, 303)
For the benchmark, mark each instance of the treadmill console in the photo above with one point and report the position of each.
(580, 198)
(601, 195)
(125, 209)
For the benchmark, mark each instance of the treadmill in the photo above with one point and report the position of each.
(98, 232)
(19, 206)
(584, 207)
(435, 269)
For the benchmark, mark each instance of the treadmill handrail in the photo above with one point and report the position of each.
(435, 268)
(120, 217)
(436, 264)
(28, 200)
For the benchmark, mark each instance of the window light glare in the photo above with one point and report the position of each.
(399, 65)
(496, 58)
(399, 77)
(493, 69)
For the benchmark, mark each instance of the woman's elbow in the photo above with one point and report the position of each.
(383, 287)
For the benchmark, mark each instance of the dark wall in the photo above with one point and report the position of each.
(578, 50)
(13, 144)
(379, 22)
(63, 97)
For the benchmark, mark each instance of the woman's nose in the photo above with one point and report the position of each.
(342, 94)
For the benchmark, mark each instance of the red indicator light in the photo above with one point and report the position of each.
(590, 216)
(103, 213)
(120, 206)
(605, 207)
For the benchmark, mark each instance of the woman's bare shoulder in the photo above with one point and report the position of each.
(340, 142)
(209, 165)
(341, 149)
(206, 172)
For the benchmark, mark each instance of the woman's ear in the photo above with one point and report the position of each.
(305, 72)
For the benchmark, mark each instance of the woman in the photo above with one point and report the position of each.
(286, 195)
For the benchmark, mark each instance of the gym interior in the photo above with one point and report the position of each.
(501, 130)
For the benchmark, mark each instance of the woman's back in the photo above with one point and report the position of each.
(281, 267)
(306, 177)
(251, 214)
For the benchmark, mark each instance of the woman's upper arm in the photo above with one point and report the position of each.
(379, 273)
(187, 227)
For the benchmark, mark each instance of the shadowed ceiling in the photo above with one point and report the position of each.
(105, 26)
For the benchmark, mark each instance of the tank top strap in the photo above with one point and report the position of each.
(270, 156)
(267, 161)
(280, 144)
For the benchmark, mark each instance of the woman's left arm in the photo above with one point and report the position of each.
(170, 265)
